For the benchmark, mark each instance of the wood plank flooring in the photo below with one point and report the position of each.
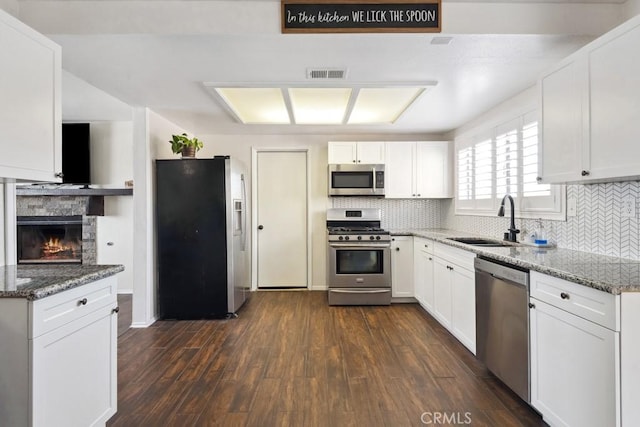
(291, 360)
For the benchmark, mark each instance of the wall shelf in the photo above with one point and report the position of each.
(50, 190)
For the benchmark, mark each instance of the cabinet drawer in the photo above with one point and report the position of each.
(57, 310)
(454, 255)
(590, 304)
(422, 244)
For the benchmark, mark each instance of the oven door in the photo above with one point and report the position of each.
(366, 265)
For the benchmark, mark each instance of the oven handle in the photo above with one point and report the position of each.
(363, 246)
(371, 291)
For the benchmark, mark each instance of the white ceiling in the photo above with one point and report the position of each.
(165, 72)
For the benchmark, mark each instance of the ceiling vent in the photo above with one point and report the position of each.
(441, 40)
(326, 73)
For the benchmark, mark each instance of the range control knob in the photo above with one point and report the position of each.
(346, 238)
(377, 237)
(371, 238)
(359, 237)
(340, 238)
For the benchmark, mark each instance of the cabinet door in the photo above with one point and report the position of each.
(30, 116)
(402, 267)
(74, 372)
(423, 277)
(433, 170)
(442, 292)
(342, 152)
(399, 173)
(573, 368)
(371, 153)
(564, 121)
(614, 89)
(463, 318)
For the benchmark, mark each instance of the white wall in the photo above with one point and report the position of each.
(151, 133)
(112, 164)
(631, 8)
(10, 6)
(2, 225)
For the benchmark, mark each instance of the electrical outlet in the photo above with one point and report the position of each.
(571, 207)
(629, 207)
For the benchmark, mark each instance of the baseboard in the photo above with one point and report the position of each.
(144, 324)
(318, 288)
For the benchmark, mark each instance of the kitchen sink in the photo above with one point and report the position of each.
(479, 241)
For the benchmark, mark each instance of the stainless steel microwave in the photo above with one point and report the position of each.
(356, 180)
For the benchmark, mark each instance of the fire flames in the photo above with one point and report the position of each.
(57, 248)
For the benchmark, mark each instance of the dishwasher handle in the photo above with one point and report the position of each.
(501, 271)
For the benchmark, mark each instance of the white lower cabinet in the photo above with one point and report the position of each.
(573, 368)
(423, 265)
(402, 267)
(454, 304)
(60, 359)
(585, 353)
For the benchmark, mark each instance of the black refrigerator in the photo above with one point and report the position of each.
(202, 257)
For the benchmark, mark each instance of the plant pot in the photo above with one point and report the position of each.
(188, 152)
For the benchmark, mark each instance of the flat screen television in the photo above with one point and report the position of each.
(76, 162)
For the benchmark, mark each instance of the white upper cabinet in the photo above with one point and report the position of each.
(590, 111)
(356, 152)
(418, 170)
(30, 114)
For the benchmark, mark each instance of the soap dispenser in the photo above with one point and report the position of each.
(541, 236)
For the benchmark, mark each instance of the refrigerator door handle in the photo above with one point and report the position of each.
(243, 196)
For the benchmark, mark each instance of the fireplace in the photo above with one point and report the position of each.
(49, 239)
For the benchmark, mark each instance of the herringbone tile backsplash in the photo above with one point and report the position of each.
(397, 214)
(598, 226)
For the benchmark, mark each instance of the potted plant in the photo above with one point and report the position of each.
(182, 144)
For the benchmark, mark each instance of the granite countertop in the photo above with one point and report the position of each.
(38, 281)
(605, 273)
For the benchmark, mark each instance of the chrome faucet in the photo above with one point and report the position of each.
(513, 231)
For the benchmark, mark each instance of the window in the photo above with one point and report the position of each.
(505, 161)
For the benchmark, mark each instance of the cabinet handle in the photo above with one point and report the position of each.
(532, 305)
(59, 175)
(564, 295)
(539, 178)
(418, 195)
(430, 259)
(116, 310)
(83, 301)
(354, 160)
(585, 173)
(413, 195)
(358, 161)
(397, 249)
(449, 267)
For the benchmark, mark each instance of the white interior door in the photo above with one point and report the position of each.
(282, 219)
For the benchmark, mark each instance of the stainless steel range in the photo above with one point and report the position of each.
(359, 261)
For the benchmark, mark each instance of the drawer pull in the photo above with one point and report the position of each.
(564, 295)
(116, 310)
(83, 301)
(532, 305)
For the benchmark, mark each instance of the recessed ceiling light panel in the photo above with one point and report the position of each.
(383, 105)
(314, 106)
(256, 105)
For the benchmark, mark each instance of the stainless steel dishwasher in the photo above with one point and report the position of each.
(502, 323)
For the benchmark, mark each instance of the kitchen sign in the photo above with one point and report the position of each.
(360, 16)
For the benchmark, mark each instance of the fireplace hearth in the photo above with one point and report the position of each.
(49, 239)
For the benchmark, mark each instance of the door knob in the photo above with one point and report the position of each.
(260, 227)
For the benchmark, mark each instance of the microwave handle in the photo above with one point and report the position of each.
(374, 180)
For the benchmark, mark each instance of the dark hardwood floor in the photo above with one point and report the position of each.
(291, 360)
(124, 315)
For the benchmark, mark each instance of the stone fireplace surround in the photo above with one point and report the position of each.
(63, 206)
